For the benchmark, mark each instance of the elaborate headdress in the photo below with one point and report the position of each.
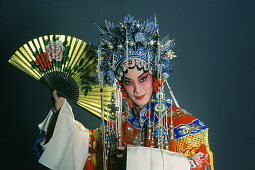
(138, 43)
(127, 45)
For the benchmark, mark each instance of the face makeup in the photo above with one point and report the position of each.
(138, 86)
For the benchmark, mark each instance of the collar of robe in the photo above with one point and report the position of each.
(144, 116)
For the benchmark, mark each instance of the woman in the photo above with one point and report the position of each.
(139, 70)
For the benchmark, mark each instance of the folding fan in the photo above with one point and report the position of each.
(66, 64)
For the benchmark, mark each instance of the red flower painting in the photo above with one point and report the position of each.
(43, 61)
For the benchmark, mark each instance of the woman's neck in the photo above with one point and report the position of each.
(137, 110)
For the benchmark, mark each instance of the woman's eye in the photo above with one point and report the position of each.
(143, 78)
(128, 82)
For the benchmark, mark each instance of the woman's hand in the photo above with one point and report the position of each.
(195, 161)
(57, 102)
(121, 152)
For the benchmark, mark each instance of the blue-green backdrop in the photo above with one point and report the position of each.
(213, 77)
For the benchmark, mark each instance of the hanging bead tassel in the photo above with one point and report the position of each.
(171, 140)
(107, 146)
(166, 145)
(171, 131)
(126, 43)
(120, 147)
(152, 143)
(166, 136)
(100, 78)
(148, 139)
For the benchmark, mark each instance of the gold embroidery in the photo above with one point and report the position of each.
(97, 134)
(186, 129)
(175, 115)
(188, 144)
(180, 112)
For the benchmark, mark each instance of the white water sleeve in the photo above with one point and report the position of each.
(145, 158)
(69, 144)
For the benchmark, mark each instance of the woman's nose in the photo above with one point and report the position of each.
(137, 88)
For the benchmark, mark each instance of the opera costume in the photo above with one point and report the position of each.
(159, 136)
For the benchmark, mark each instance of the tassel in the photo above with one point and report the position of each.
(171, 140)
(152, 143)
(120, 147)
(166, 145)
(148, 140)
(171, 131)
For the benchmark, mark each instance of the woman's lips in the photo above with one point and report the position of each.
(140, 97)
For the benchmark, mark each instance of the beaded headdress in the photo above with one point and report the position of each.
(138, 43)
(125, 46)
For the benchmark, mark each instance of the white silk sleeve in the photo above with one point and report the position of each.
(69, 144)
(145, 158)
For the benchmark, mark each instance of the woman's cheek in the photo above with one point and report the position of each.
(129, 89)
(147, 83)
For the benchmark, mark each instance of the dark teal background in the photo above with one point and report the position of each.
(213, 77)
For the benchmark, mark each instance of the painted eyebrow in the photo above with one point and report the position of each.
(138, 77)
(142, 74)
(126, 78)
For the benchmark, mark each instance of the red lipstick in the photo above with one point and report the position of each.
(140, 97)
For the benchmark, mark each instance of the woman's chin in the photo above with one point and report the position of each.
(141, 104)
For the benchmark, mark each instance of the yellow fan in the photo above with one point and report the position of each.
(66, 64)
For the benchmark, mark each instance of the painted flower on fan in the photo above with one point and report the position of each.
(55, 50)
(43, 61)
